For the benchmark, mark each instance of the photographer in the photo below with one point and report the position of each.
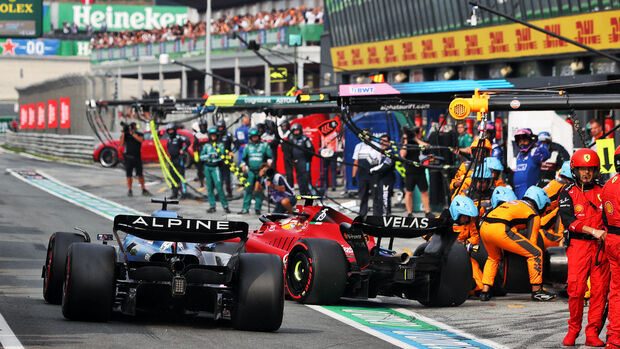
(278, 189)
(415, 174)
(132, 140)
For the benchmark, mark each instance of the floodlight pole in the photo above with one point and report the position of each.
(208, 79)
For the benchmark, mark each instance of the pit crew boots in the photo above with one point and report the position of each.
(592, 340)
(569, 339)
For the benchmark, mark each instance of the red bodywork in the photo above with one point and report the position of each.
(280, 236)
(149, 153)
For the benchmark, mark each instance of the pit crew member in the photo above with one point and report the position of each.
(210, 155)
(530, 157)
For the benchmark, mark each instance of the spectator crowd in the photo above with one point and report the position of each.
(221, 26)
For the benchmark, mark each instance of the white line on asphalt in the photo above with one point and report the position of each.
(102, 214)
(360, 327)
(450, 328)
(7, 337)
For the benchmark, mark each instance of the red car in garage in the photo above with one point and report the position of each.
(109, 154)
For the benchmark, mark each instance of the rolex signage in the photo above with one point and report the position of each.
(120, 17)
(21, 18)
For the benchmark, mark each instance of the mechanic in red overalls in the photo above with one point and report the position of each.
(580, 211)
(611, 215)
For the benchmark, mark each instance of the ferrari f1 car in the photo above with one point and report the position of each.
(328, 256)
(165, 263)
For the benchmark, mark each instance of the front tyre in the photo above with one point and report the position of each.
(316, 271)
(259, 302)
(89, 286)
(108, 157)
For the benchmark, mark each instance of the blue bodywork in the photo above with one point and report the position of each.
(141, 250)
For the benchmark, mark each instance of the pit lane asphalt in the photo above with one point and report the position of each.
(29, 216)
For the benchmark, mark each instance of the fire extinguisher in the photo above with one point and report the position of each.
(470, 126)
(609, 124)
(498, 128)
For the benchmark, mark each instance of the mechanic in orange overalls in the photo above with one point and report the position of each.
(580, 210)
(462, 211)
(495, 169)
(513, 226)
(462, 173)
(611, 216)
(551, 227)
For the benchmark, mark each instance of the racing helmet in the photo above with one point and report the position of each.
(220, 123)
(482, 171)
(212, 130)
(527, 134)
(584, 157)
(253, 132)
(493, 164)
(544, 136)
(565, 170)
(171, 126)
(203, 124)
(462, 205)
(296, 127)
(617, 159)
(539, 196)
(501, 195)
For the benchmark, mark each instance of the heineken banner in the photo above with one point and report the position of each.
(118, 17)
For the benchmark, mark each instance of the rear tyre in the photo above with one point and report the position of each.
(452, 285)
(260, 295)
(89, 286)
(108, 157)
(54, 268)
(316, 271)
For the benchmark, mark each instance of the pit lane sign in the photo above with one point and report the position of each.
(21, 18)
(278, 74)
(605, 150)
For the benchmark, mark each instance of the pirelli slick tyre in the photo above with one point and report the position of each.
(89, 287)
(108, 157)
(259, 302)
(54, 268)
(451, 286)
(316, 271)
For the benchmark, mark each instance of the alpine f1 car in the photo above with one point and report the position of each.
(165, 263)
(328, 256)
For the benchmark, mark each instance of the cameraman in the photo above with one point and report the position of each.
(278, 189)
(415, 174)
(132, 140)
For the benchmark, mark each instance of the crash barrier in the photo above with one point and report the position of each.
(62, 146)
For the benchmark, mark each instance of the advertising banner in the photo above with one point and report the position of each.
(65, 112)
(121, 17)
(41, 116)
(599, 30)
(32, 122)
(29, 47)
(52, 112)
(21, 18)
(23, 117)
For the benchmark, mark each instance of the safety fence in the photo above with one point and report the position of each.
(61, 146)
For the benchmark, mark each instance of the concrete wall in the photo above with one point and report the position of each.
(24, 71)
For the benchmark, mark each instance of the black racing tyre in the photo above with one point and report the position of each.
(54, 268)
(259, 303)
(316, 271)
(89, 287)
(453, 284)
(108, 157)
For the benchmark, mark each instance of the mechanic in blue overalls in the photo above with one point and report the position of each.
(531, 156)
(177, 146)
(241, 135)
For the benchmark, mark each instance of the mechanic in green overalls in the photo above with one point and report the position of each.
(255, 153)
(211, 156)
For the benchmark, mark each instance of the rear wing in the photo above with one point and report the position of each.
(397, 227)
(180, 229)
